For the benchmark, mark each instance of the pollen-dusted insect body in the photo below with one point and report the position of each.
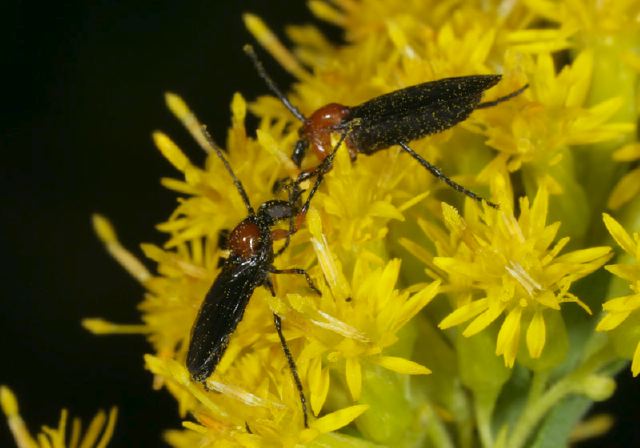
(395, 118)
(248, 266)
(224, 305)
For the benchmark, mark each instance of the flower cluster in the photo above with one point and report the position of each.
(624, 309)
(98, 433)
(383, 239)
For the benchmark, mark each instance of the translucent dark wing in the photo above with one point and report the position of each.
(219, 315)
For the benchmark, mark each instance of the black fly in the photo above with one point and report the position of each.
(395, 118)
(248, 266)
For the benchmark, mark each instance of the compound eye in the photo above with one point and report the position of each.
(223, 239)
(244, 240)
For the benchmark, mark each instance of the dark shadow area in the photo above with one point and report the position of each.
(85, 92)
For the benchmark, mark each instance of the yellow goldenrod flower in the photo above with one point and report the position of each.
(235, 415)
(536, 137)
(628, 187)
(498, 265)
(590, 16)
(621, 309)
(98, 433)
(364, 347)
(345, 333)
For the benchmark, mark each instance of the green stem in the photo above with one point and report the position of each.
(436, 430)
(534, 412)
(465, 433)
(537, 407)
(538, 384)
(483, 404)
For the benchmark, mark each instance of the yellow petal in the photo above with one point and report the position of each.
(463, 314)
(195, 427)
(171, 151)
(383, 209)
(401, 365)
(625, 190)
(101, 326)
(416, 302)
(585, 255)
(238, 108)
(509, 337)
(548, 298)
(611, 321)
(629, 272)
(619, 234)
(272, 44)
(577, 92)
(331, 267)
(107, 234)
(353, 372)
(95, 427)
(536, 335)
(539, 211)
(18, 429)
(319, 382)
(103, 228)
(338, 419)
(625, 303)
(452, 219)
(324, 11)
(635, 364)
(413, 201)
(484, 320)
(627, 153)
(274, 148)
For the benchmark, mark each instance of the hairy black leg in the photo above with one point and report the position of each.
(292, 367)
(297, 271)
(443, 177)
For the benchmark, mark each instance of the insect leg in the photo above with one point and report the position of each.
(287, 240)
(294, 191)
(443, 177)
(269, 284)
(292, 366)
(320, 171)
(298, 271)
(502, 98)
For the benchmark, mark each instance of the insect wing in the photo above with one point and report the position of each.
(416, 111)
(441, 91)
(219, 315)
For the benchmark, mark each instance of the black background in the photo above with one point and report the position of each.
(84, 93)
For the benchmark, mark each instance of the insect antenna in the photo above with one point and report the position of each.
(502, 98)
(248, 49)
(443, 177)
(226, 164)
